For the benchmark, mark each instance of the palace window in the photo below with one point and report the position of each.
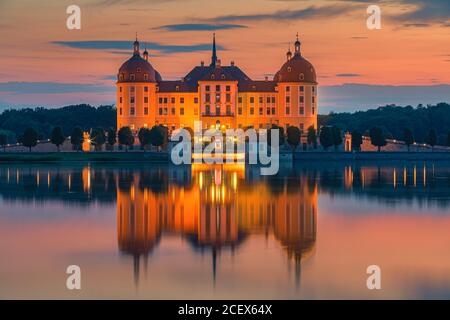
(207, 88)
(217, 110)
(145, 99)
(218, 87)
(273, 99)
(261, 112)
(301, 110)
(228, 88)
(228, 97)
(240, 111)
(268, 100)
(313, 99)
(131, 99)
(273, 111)
(288, 110)
(132, 77)
(288, 89)
(121, 77)
(145, 76)
(302, 99)
(302, 76)
(252, 111)
(182, 100)
(195, 100)
(261, 100)
(138, 70)
(165, 100)
(288, 99)
(120, 111)
(313, 110)
(228, 110)
(182, 111)
(177, 88)
(252, 100)
(268, 111)
(301, 127)
(222, 76)
(239, 99)
(165, 111)
(120, 100)
(145, 89)
(132, 89)
(160, 111)
(132, 111)
(313, 88)
(172, 100)
(146, 111)
(289, 69)
(120, 89)
(207, 109)
(218, 97)
(302, 88)
(173, 111)
(160, 100)
(208, 97)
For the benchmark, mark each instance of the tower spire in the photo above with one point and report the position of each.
(136, 46)
(214, 54)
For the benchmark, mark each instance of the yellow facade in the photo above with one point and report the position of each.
(217, 95)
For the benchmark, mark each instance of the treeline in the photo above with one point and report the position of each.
(395, 120)
(13, 123)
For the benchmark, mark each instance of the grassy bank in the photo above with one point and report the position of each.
(82, 156)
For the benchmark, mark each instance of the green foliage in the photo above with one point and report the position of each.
(76, 138)
(357, 140)
(392, 119)
(377, 137)
(3, 140)
(312, 136)
(29, 138)
(293, 136)
(431, 137)
(111, 139)
(98, 137)
(326, 137)
(157, 136)
(57, 137)
(408, 137)
(337, 136)
(44, 120)
(126, 137)
(144, 136)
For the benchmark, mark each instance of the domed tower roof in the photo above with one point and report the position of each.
(296, 69)
(137, 68)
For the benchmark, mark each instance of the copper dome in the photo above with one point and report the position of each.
(137, 69)
(296, 69)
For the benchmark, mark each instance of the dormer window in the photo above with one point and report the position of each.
(177, 88)
(145, 76)
(213, 77)
(223, 76)
(132, 77)
(289, 69)
(302, 76)
(138, 70)
(121, 77)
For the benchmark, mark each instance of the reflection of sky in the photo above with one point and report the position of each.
(410, 49)
(409, 242)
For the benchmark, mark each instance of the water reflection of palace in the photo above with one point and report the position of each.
(215, 209)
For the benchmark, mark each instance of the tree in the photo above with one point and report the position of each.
(431, 138)
(29, 138)
(312, 137)
(3, 141)
(144, 137)
(408, 137)
(326, 137)
(57, 137)
(111, 139)
(126, 137)
(293, 136)
(337, 137)
(76, 138)
(357, 140)
(156, 136)
(98, 137)
(377, 138)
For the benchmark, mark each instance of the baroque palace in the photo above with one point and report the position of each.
(218, 95)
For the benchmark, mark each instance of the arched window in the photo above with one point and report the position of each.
(302, 76)
(289, 69)
(145, 76)
(212, 76)
(132, 77)
(223, 76)
(138, 70)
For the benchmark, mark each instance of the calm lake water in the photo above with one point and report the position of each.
(165, 232)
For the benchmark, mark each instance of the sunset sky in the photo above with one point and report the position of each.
(406, 62)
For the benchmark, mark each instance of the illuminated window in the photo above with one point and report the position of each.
(289, 69)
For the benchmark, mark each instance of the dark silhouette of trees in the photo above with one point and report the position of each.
(98, 137)
(111, 138)
(312, 136)
(3, 141)
(357, 140)
(408, 137)
(144, 136)
(293, 136)
(377, 138)
(29, 138)
(57, 137)
(76, 138)
(431, 138)
(337, 137)
(326, 137)
(126, 137)
(157, 136)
